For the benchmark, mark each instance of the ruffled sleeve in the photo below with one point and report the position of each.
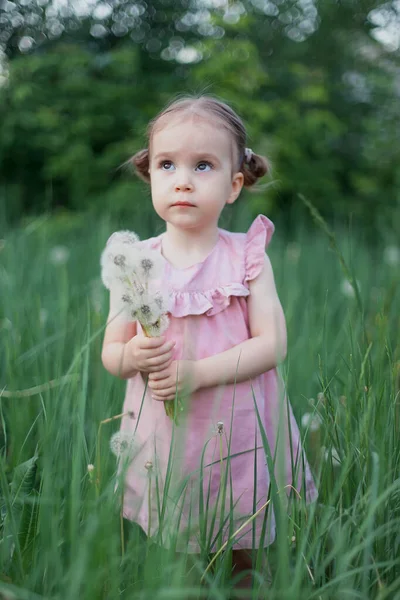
(208, 302)
(258, 238)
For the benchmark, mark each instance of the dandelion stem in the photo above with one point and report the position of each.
(98, 469)
(121, 520)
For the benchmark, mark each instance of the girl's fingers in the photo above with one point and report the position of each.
(160, 385)
(160, 360)
(159, 351)
(158, 370)
(164, 396)
(159, 375)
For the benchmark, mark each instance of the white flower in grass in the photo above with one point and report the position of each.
(59, 255)
(311, 421)
(332, 454)
(347, 289)
(391, 256)
(43, 316)
(123, 445)
(293, 251)
(6, 324)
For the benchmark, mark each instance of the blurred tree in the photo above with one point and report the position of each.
(318, 92)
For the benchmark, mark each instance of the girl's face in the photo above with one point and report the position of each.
(191, 161)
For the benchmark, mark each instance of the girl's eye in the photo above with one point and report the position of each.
(166, 165)
(204, 166)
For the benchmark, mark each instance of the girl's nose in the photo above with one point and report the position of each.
(183, 184)
(183, 187)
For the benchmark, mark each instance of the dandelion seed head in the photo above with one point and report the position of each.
(148, 466)
(116, 261)
(127, 298)
(391, 256)
(149, 313)
(90, 468)
(146, 264)
(123, 445)
(159, 327)
(124, 237)
(311, 421)
(43, 316)
(293, 252)
(59, 255)
(138, 287)
(333, 455)
(220, 427)
(150, 264)
(347, 289)
(120, 260)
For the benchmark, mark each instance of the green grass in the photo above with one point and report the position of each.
(60, 531)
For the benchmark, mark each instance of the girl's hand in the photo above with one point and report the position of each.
(150, 355)
(180, 376)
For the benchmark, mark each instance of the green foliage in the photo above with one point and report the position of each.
(343, 369)
(319, 96)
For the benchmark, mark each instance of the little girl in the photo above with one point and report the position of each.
(226, 336)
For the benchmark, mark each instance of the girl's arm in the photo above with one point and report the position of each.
(266, 347)
(115, 355)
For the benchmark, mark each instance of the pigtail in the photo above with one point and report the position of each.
(140, 161)
(253, 167)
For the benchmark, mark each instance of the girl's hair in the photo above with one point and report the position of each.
(253, 166)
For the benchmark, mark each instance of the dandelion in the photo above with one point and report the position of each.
(123, 445)
(156, 329)
(293, 252)
(391, 256)
(43, 316)
(133, 273)
(125, 237)
(220, 427)
(59, 255)
(6, 324)
(333, 455)
(146, 264)
(90, 470)
(347, 289)
(311, 421)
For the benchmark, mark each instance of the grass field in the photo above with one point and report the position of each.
(60, 531)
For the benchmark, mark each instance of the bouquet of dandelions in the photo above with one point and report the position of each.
(133, 274)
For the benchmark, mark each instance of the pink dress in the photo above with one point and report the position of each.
(194, 496)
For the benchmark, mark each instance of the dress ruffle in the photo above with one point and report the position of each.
(258, 238)
(209, 302)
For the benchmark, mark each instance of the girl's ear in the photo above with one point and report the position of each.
(237, 184)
